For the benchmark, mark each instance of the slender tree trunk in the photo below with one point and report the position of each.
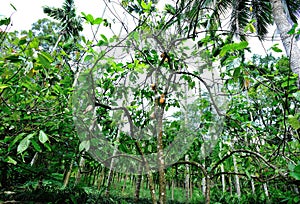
(138, 183)
(222, 170)
(252, 186)
(56, 44)
(172, 189)
(186, 158)
(288, 41)
(161, 168)
(100, 180)
(80, 167)
(237, 179)
(187, 179)
(160, 151)
(207, 190)
(112, 164)
(266, 190)
(67, 177)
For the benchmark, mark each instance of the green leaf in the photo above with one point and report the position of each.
(13, 58)
(24, 144)
(5, 21)
(275, 48)
(101, 43)
(146, 6)
(11, 160)
(47, 146)
(293, 29)
(34, 43)
(170, 9)
(13, 6)
(43, 137)
(3, 86)
(45, 59)
(295, 175)
(233, 47)
(98, 21)
(88, 58)
(17, 138)
(104, 38)
(36, 146)
(90, 19)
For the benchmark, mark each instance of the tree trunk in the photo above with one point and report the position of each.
(80, 167)
(172, 189)
(67, 177)
(252, 186)
(207, 189)
(160, 155)
(288, 41)
(125, 182)
(266, 190)
(100, 180)
(138, 184)
(237, 179)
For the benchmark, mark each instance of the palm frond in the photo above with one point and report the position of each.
(293, 9)
(262, 13)
(240, 16)
(56, 13)
(71, 25)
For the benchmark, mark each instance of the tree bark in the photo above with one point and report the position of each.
(237, 179)
(288, 41)
(207, 190)
(67, 177)
(80, 167)
(138, 184)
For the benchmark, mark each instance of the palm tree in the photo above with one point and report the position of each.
(283, 12)
(71, 25)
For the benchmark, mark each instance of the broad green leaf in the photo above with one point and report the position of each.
(90, 18)
(17, 138)
(98, 21)
(43, 137)
(45, 59)
(233, 47)
(24, 144)
(295, 175)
